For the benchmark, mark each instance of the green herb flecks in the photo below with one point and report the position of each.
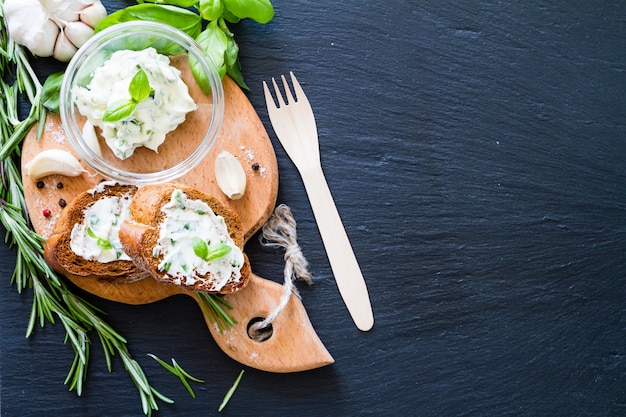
(102, 242)
(139, 90)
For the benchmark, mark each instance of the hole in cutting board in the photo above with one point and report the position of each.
(257, 333)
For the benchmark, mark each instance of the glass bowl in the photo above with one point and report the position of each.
(186, 146)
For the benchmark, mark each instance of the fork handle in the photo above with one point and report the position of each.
(343, 263)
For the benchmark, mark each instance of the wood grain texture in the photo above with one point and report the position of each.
(475, 151)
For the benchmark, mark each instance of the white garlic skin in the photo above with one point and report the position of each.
(92, 15)
(52, 27)
(230, 176)
(53, 161)
(64, 49)
(78, 32)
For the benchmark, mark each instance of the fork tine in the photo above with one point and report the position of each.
(281, 102)
(300, 96)
(290, 99)
(269, 100)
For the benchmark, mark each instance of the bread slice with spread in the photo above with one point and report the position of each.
(85, 242)
(183, 236)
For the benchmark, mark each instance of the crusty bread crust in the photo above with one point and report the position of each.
(59, 255)
(140, 235)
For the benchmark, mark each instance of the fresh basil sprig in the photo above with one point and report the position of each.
(209, 252)
(215, 38)
(51, 92)
(139, 90)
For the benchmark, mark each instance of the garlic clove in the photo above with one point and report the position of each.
(42, 43)
(230, 176)
(64, 50)
(64, 10)
(28, 25)
(91, 140)
(92, 15)
(78, 32)
(53, 161)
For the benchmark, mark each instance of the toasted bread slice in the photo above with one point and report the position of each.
(147, 238)
(60, 248)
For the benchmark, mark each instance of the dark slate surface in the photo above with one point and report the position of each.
(477, 153)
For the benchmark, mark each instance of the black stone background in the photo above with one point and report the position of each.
(476, 152)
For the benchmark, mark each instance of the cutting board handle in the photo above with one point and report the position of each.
(291, 345)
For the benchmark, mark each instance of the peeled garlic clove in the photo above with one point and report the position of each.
(78, 33)
(53, 161)
(64, 50)
(91, 140)
(230, 175)
(92, 15)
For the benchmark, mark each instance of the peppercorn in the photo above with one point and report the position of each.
(62, 203)
(46, 213)
(41, 184)
(59, 185)
(256, 166)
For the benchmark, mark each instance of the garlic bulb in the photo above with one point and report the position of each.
(52, 27)
(53, 161)
(230, 175)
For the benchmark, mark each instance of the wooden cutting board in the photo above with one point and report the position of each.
(293, 345)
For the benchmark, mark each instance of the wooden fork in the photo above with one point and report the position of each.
(294, 124)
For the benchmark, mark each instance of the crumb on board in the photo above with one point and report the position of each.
(255, 165)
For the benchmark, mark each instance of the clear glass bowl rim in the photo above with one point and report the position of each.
(67, 109)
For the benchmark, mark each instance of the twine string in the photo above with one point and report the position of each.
(280, 232)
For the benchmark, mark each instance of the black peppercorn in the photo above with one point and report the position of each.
(62, 203)
(59, 185)
(41, 184)
(256, 166)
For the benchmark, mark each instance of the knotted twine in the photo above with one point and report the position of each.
(280, 232)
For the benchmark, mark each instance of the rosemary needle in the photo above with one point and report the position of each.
(231, 391)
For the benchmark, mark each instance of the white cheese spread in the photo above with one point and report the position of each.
(153, 117)
(186, 221)
(97, 239)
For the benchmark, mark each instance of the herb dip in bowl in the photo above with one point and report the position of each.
(154, 97)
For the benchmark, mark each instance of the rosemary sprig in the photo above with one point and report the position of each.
(177, 370)
(52, 299)
(215, 308)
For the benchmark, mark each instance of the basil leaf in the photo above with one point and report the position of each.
(260, 11)
(199, 75)
(211, 9)
(51, 90)
(209, 253)
(182, 3)
(139, 87)
(119, 110)
(214, 42)
(217, 251)
(183, 19)
(200, 247)
(236, 74)
(232, 49)
(228, 16)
